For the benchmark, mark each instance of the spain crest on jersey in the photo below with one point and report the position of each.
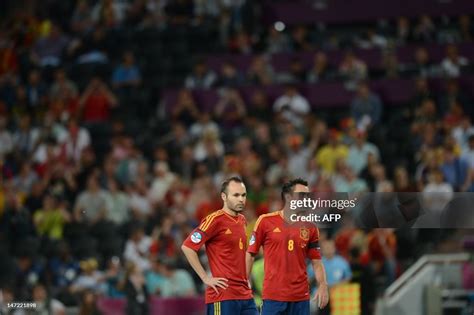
(304, 234)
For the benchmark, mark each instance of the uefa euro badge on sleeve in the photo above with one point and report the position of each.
(196, 237)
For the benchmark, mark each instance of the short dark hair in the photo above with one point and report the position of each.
(289, 186)
(226, 183)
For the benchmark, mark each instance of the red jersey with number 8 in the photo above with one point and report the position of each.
(285, 249)
(225, 240)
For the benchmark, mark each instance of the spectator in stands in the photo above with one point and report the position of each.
(6, 138)
(139, 201)
(423, 66)
(359, 151)
(260, 71)
(201, 77)
(300, 39)
(452, 93)
(321, 70)
(259, 108)
(402, 182)
(230, 110)
(208, 146)
(114, 277)
(117, 203)
(161, 183)
(88, 304)
(49, 49)
(454, 169)
(51, 219)
(296, 74)
(15, 221)
(90, 278)
(262, 142)
(382, 245)
(453, 63)
(8, 54)
(202, 125)
(372, 40)
(468, 152)
(425, 30)
(109, 13)
(346, 180)
(36, 91)
(135, 291)
(230, 75)
(436, 195)
(403, 31)
(92, 49)
(453, 116)
(337, 269)
(466, 28)
(167, 281)
(300, 153)
(81, 20)
(276, 41)
(63, 270)
(292, 106)
(96, 102)
(328, 155)
(91, 204)
(366, 108)
(179, 12)
(390, 65)
(422, 92)
(352, 69)
(462, 133)
(45, 304)
(426, 116)
(25, 179)
(62, 87)
(137, 249)
(374, 173)
(77, 140)
(241, 43)
(185, 109)
(7, 296)
(127, 74)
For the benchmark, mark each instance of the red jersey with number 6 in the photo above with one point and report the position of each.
(225, 240)
(285, 249)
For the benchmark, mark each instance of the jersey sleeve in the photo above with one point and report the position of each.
(200, 235)
(256, 239)
(313, 245)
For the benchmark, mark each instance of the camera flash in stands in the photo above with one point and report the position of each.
(279, 26)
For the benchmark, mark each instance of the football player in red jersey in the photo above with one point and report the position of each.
(223, 232)
(286, 246)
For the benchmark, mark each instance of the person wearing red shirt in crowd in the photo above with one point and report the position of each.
(223, 232)
(96, 102)
(382, 247)
(286, 246)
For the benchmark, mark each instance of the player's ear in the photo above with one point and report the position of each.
(223, 196)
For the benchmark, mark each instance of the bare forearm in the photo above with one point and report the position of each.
(249, 259)
(193, 260)
(319, 272)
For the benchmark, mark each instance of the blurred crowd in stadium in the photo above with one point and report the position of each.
(101, 182)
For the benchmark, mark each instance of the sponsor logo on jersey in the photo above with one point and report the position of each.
(276, 230)
(228, 231)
